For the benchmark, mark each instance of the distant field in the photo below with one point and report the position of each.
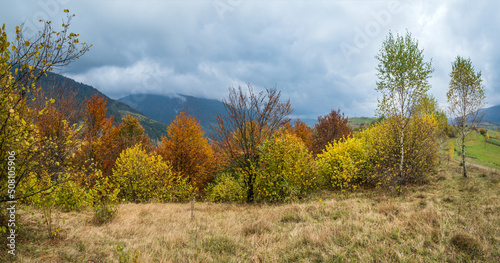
(488, 155)
(360, 121)
(493, 139)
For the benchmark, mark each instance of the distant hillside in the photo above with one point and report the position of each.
(357, 122)
(492, 114)
(164, 109)
(354, 122)
(491, 118)
(154, 129)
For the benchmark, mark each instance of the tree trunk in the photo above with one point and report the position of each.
(250, 188)
(463, 151)
(401, 143)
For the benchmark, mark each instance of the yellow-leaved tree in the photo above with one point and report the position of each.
(141, 177)
(22, 63)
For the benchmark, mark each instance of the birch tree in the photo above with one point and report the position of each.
(403, 79)
(465, 99)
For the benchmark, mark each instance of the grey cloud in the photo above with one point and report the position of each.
(320, 54)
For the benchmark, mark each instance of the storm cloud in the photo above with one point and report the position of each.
(320, 54)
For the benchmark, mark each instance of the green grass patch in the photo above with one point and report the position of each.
(361, 120)
(483, 154)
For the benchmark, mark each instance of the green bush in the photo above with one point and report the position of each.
(105, 197)
(70, 196)
(226, 188)
(286, 170)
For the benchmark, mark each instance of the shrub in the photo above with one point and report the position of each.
(140, 176)
(70, 196)
(372, 157)
(286, 170)
(105, 196)
(345, 164)
(226, 188)
(450, 151)
(421, 151)
(66, 195)
(104, 213)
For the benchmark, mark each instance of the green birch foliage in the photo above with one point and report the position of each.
(465, 99)
(403, 79)
(403, 75)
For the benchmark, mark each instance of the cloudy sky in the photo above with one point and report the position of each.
(320, 54)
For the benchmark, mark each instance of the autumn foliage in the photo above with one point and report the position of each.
(103, 141)
(286, 171)
(251, 119)
(421, 149)
(330, 127)
(372, 156)
(301, 130)
(188, 151)
(131, 133)
(141, 176)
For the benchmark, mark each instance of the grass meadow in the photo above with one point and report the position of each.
(449, 219)
(481, 153)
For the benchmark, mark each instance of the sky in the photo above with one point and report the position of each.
(319, 54)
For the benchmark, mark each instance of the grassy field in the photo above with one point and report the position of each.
(450, 219)
(480, 153)
(357, 122)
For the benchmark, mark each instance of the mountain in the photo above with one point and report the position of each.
(491, 119)
(116, 109)
(492, 114)
(164, 109)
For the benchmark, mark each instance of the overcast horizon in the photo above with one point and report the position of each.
(320, 54)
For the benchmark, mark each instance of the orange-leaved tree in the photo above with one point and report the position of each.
(302, 131)
(188, 150)
(330, 127)
(55, 113)
(98, 134)
(118, 138)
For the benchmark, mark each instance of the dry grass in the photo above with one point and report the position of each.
(450, 219)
